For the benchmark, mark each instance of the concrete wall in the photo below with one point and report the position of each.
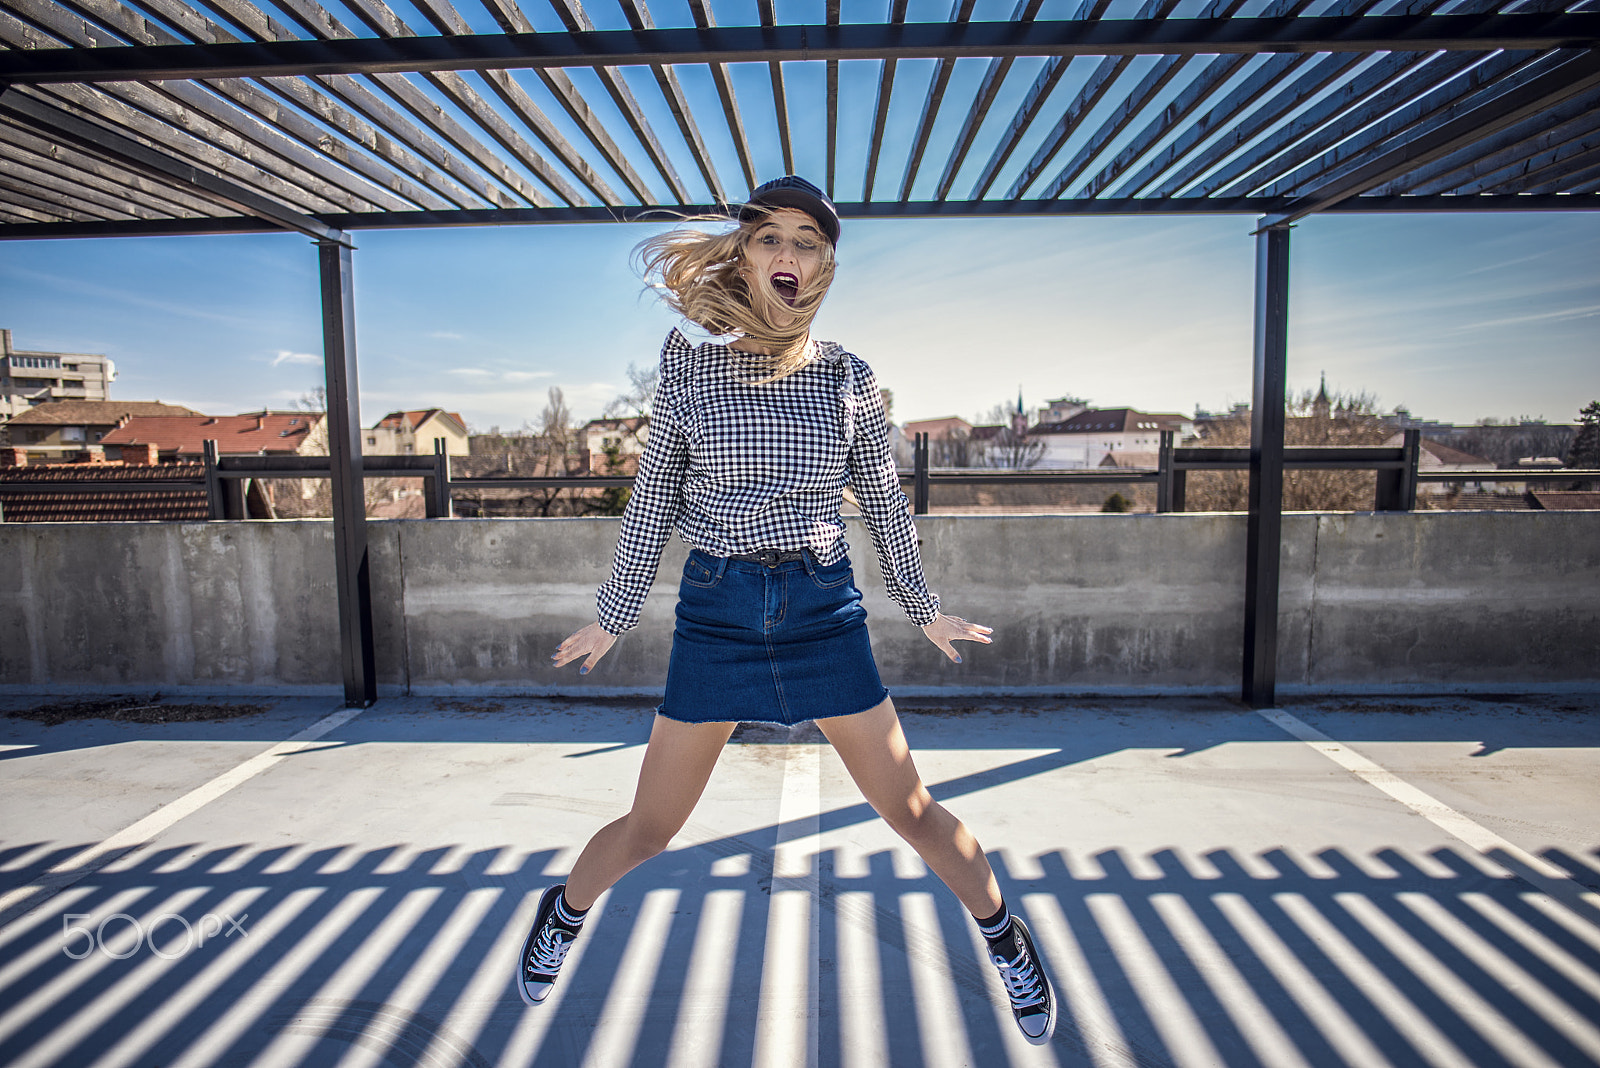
(1427, 601)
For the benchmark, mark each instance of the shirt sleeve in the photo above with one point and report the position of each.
(876, 483)
(656, 502)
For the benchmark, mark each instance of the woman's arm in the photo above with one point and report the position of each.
(876, 485)
(653, 507)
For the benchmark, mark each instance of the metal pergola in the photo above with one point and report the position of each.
(145, 117)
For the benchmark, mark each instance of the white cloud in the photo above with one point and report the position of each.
(445, 335)
(285, 356)
(523, 376)
(472, 372)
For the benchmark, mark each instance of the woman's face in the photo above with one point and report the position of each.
(786, 249)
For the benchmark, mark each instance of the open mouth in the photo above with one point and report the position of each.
(787, 285)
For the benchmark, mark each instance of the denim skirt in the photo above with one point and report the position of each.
(780, 644)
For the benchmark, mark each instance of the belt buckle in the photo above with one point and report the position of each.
(769, 557)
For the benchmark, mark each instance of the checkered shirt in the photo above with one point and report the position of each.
(735, 467)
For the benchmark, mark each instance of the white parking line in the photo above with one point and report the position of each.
(141, 833)
(1441, 815)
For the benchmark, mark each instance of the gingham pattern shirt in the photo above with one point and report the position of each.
(735, 467)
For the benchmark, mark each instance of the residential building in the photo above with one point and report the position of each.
(950, 441)
(412, 433)
(263, 433)
(63, 430)
(28, 378)
(1086, 438)
(626, 436)
(1435, 457)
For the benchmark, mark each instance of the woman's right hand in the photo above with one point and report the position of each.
(590, 643)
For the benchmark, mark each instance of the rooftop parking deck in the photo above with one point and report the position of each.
(1366, 881)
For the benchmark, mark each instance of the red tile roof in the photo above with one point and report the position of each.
(255, 434)
(20, 502)
(1566, 500)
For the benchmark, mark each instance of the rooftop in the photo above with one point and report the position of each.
(1355, 880)
(95, 413)
(264, 432)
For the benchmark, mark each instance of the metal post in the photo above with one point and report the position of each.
(349, 498)
(1164, 473)
(919, 467)
(1264, 532)
(215, 508)
(438, 484)
(1408, 485)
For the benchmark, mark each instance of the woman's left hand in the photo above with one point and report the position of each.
(946, 629)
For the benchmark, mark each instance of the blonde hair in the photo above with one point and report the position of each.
(699, 275)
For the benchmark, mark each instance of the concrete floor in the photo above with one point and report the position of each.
(1348, 882)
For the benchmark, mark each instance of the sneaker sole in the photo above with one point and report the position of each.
(547, 904)
(1038, 963)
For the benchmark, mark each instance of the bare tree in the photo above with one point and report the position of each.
(1011, 448)
(1347, 419)
(314, 401)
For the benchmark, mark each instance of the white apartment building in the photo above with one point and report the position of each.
(1091, 434)
(28, 378)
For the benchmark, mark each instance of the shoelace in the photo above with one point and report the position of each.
(549, 950)
(1022, 982)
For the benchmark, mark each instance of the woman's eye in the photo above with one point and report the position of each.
(770, 240)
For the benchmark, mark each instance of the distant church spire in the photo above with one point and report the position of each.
(1321, 404)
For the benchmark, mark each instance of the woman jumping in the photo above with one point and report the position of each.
(752, 443)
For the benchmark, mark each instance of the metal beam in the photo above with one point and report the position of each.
(58, 125)
(1264, 528)
(357, 659)
(409, 220)
(768, 44)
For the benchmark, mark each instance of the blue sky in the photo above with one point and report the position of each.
(1458, 317)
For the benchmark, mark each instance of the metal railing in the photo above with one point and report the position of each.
(1397, 467)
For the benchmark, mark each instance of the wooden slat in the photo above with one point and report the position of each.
(897, 15)
(993, 79)
(962, 12)
(703, 17)
(378, 15)
(1213, 75)
(63, 205)
(389, 130)
(1044, 83)
(1550, 163)
(68, 161)
(200, 147)
(577, 21)
(1434, 102)
(323, 24)
(1099, 82)
(1584, 178)
(162, 116)
(1570, 73)
(1316, 128)
(638, 16)
(19, 214)
(1548, 131)
(780, 105)
(561, 86)
(373, 175)
(1283, 97)
(1155, 79)
(25, 174)
(832, 17)
(381, 157)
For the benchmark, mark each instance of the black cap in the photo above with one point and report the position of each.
(791, 191)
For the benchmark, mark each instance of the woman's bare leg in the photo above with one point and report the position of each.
(677, 764)
(874, 751)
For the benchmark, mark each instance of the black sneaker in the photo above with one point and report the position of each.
(1033, 1003)
(544, 950)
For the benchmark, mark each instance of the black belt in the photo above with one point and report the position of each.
(770, 557)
